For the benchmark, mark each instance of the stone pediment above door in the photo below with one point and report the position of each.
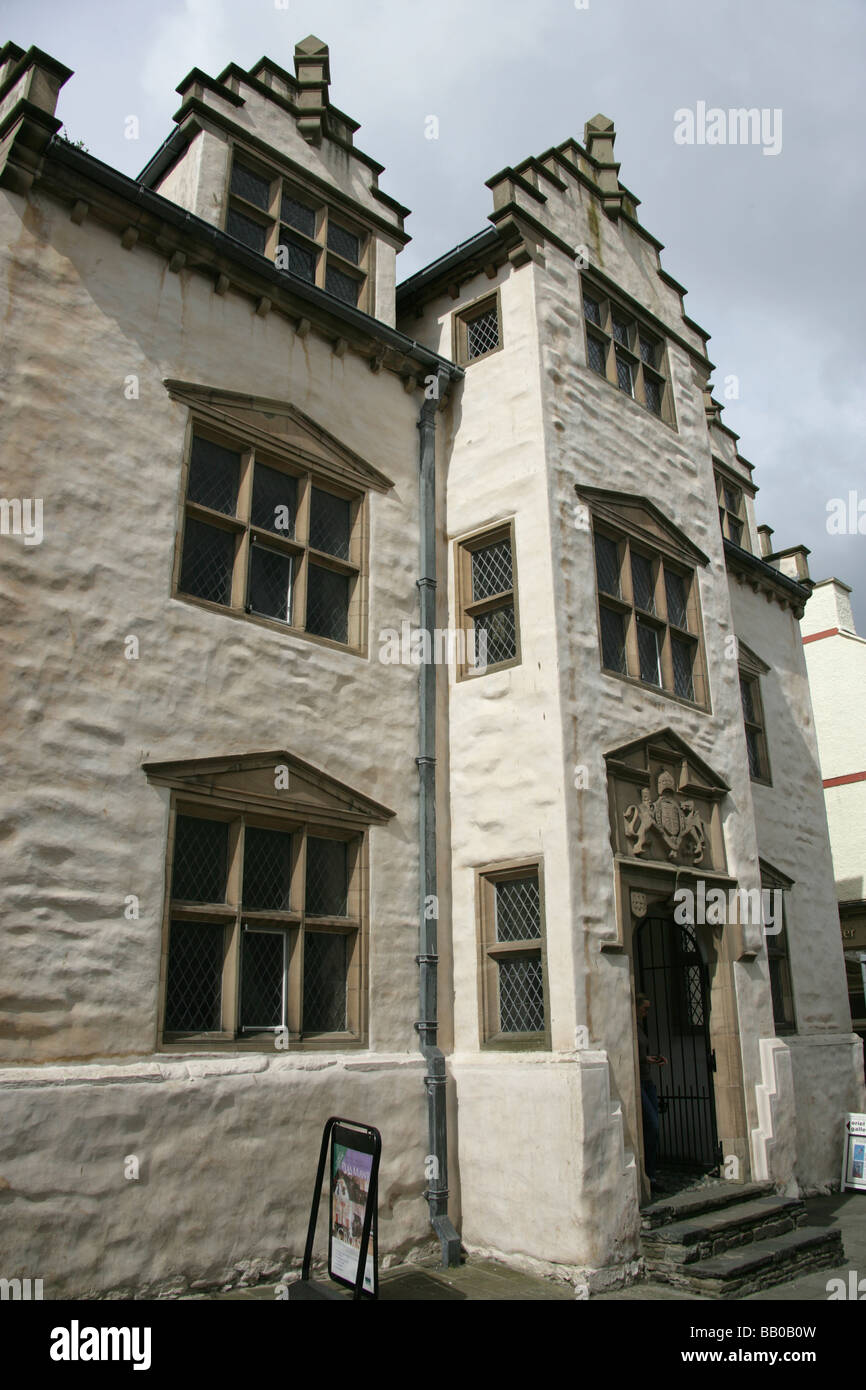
(665, 803)
(280, 427)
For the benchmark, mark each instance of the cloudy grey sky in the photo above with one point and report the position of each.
(770, 247)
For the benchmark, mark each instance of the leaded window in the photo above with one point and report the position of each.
(620, 348)
(302, 234)
(753, 723)
(478, 330)
(732, 511)
(270, 541)
(648, 617)
(264, 929)
(778, 951)
(513, 957)
(488, 597)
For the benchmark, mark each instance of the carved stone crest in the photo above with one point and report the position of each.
(675, 821)
(638, 903)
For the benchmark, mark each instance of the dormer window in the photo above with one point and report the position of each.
(302, 234)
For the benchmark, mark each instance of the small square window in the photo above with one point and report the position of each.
(344, 287)
(477, 331)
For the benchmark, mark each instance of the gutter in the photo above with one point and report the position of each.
(138, 196)
(435, 1079)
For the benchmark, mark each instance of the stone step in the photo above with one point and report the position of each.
(727, 1228)
(685, 1205)
(761, 1265)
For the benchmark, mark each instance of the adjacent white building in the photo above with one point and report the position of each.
(836, 662)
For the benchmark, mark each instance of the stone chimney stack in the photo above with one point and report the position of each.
(598, 137)
(313, 71)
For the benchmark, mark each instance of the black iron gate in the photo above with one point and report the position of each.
(672, 973)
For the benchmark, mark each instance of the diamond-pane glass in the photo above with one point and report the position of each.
(262, 980)
(653, 394)
(648, 652)
(624, 374)
(251, 186)
(647, 350)
(327, 878)
(267, 870)
(329, 524)
(612, 641)
(518, 909)
(208, 557)
(748, 702)
(193, 1001)
(270, 584)
(675, 592)
(482, 333)
(735, 529)
(732, 499)
(346, 244)
(597, 354)
(214, 474)
(682, 655)
(620, 330)
(343, 287)
(294, 258)
(275, 500)
(607, 565)
(325, 961)
(327, 604)
(491, 570)
(501, 635)
(642, 582)
(521, 996)
(753, 746)
(244, 229)
(200, 859)
(298, 215)
(592, 309)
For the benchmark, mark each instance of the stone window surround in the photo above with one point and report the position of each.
(751, 669)
(732, 519)
(460, 320)
(362, 271)
(660, 560)
(280, 459)
(491, 952)
(604, 334)
(466, 608)
(230, 917)
(778, 950)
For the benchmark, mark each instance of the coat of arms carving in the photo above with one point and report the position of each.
(677, 822)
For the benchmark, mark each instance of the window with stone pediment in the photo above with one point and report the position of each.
(266, 915)
(647, 592)
(273, 519)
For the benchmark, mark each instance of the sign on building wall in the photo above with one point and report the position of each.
(854, 1161)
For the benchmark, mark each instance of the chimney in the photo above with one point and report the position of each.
(765, 536)
(313, 72)
(598, 136)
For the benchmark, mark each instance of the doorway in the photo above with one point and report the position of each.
(671, 971)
